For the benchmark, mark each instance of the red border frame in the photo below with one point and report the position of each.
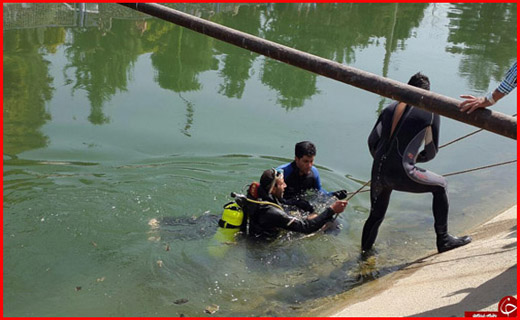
(224, 1)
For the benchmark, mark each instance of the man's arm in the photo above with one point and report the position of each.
(381, 128)
(473, 103)
(375, 136)
(279, 218)
(431, 141)
(318, 185)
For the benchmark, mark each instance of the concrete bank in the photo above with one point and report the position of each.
(471, 278)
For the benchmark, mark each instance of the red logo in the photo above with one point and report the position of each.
(506, 308)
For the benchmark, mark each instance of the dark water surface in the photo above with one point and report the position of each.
(124, 135)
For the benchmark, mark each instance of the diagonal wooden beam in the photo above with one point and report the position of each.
(486, 119)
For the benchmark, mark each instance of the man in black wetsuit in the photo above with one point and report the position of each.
(394, 144)
(267, 219)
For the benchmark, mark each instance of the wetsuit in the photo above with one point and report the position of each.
(394, 166)
(297, 184)
(266, 221)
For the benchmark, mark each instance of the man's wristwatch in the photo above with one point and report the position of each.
(489, 98)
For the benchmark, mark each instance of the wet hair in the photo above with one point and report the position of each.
(266, 180)
(304, 148)
(420, 80)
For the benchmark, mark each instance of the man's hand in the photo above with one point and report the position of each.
(340, 194)
(304, 205)
(473, 103)
(339, 206)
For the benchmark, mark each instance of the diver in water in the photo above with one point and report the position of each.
(394, 144)
(267, 217)
(301, 175)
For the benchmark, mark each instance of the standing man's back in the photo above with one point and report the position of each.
(403, 153)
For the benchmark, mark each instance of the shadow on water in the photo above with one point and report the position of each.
(350, 274)
(191, 228)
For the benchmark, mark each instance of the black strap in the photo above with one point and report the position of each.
(227, 204)
(224, 224)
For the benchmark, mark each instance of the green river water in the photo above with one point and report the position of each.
(124, 135)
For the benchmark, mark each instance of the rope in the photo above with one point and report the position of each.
(352, 195)
(358, 190)
(447, 174)
(479, 168)
(464, 137)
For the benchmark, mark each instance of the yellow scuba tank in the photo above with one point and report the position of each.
(229, 225)
(232, 216)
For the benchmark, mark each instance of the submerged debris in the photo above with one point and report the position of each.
(212, 309)
(160, 263)
(153, 223)
(78, 288)
(181, 301)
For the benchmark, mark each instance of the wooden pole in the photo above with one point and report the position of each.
(487, 119)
